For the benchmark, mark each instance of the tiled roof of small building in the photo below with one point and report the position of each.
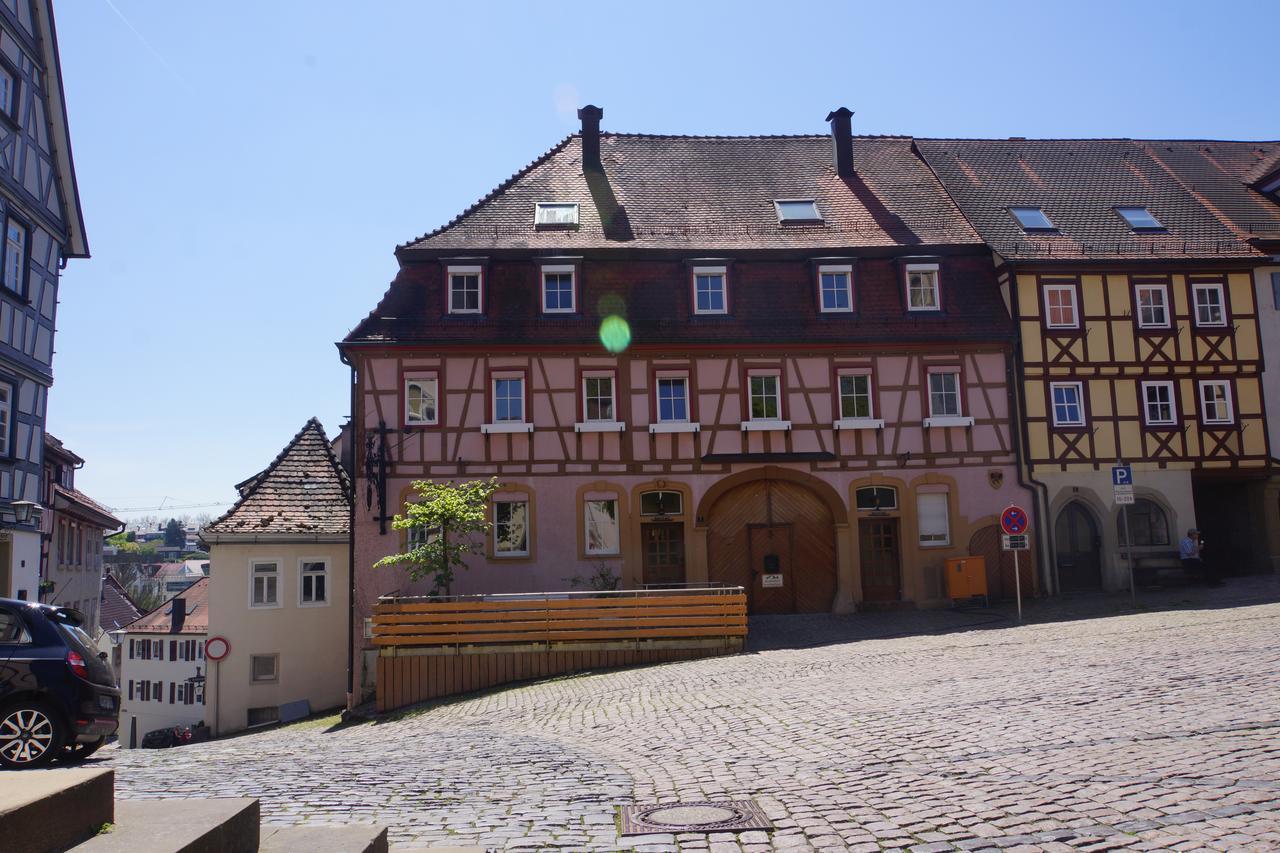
(303, 491)
(195, 621)
(74, 500)
(1078, 183)
(116, 608)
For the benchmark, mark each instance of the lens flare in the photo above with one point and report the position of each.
(615, 334)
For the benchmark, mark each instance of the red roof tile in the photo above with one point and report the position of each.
(196, 621)
(116, 608)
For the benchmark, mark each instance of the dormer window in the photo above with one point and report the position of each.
(559, 294)
(1140, 219)
(797, 210)
(922, 288)
(1032, 219)
(555, 214)
(466, 294)
(710, 290)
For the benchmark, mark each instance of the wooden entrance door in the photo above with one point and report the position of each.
(663, 552)
(1078, 548)
(770, 554)
(881, 573)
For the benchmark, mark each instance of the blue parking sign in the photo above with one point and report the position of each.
(1121, 475)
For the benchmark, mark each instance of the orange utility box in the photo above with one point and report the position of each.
(966, 577)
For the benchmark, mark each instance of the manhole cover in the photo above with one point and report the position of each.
(736, 816)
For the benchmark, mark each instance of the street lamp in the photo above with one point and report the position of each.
(22, 511)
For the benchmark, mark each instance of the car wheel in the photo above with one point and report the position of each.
(31, 734)
(81, 751)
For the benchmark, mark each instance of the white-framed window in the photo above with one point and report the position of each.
(555, 214)
(1068, 403)
(1032, 219)
(1210, 302)
(511, 528)
(1060, 309)
(466, 290)
(933, 519)
(559, 289)
(764, 396)
(797, 210)
(673, 399)
(835, 289)
(420, 401)
(264, 668)
(1215, 402)
(710, 290)
(602, 527)
(6, 418)
(264, 583)
(855, 396)
(508, 399)
(1140, 218)
(313, 582)
(922, 287)
(1153, 306)
(8, 92)
(1157, 404)
(598, 398)
(15, 255)
(944, 394)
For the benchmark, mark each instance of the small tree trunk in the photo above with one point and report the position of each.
(444, 558)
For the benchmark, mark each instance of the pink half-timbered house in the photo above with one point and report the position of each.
(698, 359)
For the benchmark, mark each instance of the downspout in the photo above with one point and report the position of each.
(1022, 440)
(351, 548)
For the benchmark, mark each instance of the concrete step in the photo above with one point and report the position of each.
(42, 811)
(180, 826)
(316, 838)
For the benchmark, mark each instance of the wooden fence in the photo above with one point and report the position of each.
(432, 647)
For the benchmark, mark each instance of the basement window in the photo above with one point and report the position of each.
(797, 210)
(1032, 219)
(1140, 219)
(555, 214)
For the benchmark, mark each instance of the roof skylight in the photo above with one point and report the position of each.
(797, 210)
(555, 213)
(1140, 219)
(1032, 219)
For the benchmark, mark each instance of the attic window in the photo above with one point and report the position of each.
(1032, 219)
(1140, 219)
(797, 210)
(556, 214)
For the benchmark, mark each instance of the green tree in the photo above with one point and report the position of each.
(443, 522)
(174, 534)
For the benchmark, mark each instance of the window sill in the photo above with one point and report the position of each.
(935, 544)
(766, 426)
(674, 426)
(13, 295)
(859, 423)
(949, 421)
(600, 426)
(507, 427)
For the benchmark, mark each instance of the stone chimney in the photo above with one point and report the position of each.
(842, 140)
(591, 116)
(178, 615)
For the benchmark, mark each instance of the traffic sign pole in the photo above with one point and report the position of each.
(1014, 521)
(1017, 583)
(1122, 484)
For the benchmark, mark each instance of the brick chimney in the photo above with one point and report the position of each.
(591, 116)
(178, 615)
(842, 140)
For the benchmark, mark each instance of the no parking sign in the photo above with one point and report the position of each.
(1014, 521)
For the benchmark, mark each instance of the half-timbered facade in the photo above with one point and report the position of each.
(1139, 342)
(779, 362)
(40, 212)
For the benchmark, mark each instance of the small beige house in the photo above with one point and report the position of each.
(279, 589)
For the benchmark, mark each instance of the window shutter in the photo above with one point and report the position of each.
(131, 651)
(173, 650)
(131, 688)
(173, 688)
(931, 514)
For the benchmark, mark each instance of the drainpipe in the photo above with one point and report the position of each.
(1014, 368)
(351, 546)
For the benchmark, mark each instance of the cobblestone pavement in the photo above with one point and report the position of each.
(1158, 729)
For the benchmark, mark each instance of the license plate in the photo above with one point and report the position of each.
(107, 703)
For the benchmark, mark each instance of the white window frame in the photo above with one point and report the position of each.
(753, 423)
(434, 380)
(936, 270)
(779, 202)
(1207, 287)
(17, 267)
(723, 273)
(1078, 387)
(845, 270)
(587, 524)
(559, 269)
(672, 425)
(959, 419)
(303, 574)
(7, 392)
(1163, 290)
(498, 423)
(589, 424)
(528, 525)
(1075, 308)
(1173, 404)
(1140, 229)
(870, 421)
(1227, 400)
(274, 657)
(253, 582)
(475, 270)
(934, 539)
(1032, 229)
(8, 91)
(540, 206)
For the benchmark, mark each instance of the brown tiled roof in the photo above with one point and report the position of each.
(698, 193)
(160, 620)
(116, 608)
(303, 491)
(1221, 175)
(76, 501)
(1078, 183)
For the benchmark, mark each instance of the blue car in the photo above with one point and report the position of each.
(58, 696)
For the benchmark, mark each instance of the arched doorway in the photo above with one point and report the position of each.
(776, 539)
(1078, 549)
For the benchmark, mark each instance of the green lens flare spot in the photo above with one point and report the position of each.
(615, 334)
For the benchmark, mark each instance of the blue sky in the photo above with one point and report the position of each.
(247, 169)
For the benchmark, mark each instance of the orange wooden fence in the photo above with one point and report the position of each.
(432, 647)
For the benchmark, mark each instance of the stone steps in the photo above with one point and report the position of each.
(180, 826)
(47, 811)
(310, 838)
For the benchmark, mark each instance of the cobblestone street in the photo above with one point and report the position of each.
(1158, 729)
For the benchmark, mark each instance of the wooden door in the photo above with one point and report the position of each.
(881, 574)
(1078, 550)
(663, 552)
(771, 548)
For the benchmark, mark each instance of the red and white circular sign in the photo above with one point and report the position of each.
(217, 648)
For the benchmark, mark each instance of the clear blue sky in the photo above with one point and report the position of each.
(247, 169)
